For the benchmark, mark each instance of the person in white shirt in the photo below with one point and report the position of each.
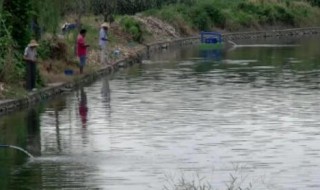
(103, 39)
(30, 56)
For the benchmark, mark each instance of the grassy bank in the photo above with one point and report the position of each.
(128, 32)
(235, 15)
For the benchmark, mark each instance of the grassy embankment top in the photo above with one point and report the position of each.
(235, 15)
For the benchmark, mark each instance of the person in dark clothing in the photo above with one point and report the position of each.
(30, 56)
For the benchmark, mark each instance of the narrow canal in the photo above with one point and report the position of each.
(248, 115)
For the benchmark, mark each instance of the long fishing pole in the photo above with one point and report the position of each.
(17, 148)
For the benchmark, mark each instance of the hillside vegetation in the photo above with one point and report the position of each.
(234, 15)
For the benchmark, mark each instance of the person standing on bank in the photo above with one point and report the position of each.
(30, 56)
(103, 38)
(82, 49)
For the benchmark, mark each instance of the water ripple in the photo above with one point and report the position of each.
(247, 115)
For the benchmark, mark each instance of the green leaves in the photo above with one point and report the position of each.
(9, 55)
(18, 18)
(315, 2)
(133, 27)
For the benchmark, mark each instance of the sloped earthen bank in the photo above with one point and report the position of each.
(7, 106)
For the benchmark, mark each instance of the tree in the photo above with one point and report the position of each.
(315, 2)
(104, 8)
(17, 17)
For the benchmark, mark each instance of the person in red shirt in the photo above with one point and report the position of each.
(82, 49)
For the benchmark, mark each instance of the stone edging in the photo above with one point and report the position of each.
(7, 106)
(154, 47)
(274, 33)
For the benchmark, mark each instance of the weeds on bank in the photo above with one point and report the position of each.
(13, 91)
(199, 183)
(235, 15)
(237, 180)
(133, 27)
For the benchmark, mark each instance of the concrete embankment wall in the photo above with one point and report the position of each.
(7, 106)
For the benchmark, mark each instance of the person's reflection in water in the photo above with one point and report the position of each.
(83, 109)
(33, 128)
(106, 98)
(58, 105)
(105, 91)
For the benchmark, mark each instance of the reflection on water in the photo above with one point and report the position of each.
(33, 132)
(251, 113)
(105, 90)
(83, 108)
(213, 54)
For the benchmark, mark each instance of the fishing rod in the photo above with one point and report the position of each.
(17, 148)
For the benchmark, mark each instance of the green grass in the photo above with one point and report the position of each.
(15, 91)
(133, 27)
(235, 15)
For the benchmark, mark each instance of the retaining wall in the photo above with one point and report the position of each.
(7, 106)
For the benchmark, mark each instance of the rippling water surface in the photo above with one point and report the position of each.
(249, 114)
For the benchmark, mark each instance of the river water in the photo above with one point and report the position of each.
(247, 117)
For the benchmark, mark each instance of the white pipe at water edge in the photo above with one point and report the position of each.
(234, 45)
(17, 148)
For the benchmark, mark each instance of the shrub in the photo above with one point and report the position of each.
(16, 17)
(245, 19)
(268, 13)
(133, 27)
(200, 19)
(231, 23)
(237, 14)
(214, 14)
(284, 15)
(169, 13)
(11, 65)
(44, 50)
(53, 49)
(314, 2)
(248, 7)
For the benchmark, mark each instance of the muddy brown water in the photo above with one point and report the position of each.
(250, 114)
